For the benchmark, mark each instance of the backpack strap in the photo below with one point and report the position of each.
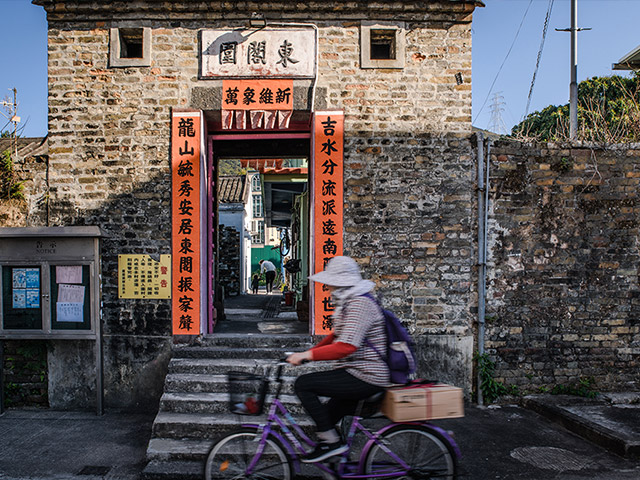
(366, 340)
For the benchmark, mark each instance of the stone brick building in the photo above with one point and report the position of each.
(398, 73)
(125, 76)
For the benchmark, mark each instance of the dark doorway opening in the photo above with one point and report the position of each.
(281, 163)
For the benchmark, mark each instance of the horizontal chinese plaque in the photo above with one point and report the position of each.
(268, 52)
(257, 95)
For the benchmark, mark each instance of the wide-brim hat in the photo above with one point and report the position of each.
(339, 272)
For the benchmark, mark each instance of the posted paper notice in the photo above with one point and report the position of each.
(71, 294)
(69, 312)
(69, 274)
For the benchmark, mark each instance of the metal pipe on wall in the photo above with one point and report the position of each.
(481, 250)
(573, 87)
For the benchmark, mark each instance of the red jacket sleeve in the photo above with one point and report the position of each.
(325, 341)
(332, 352)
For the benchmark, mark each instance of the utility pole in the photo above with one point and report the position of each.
(12, 109)
(573, 86)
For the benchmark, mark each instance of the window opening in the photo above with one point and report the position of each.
(255, 183)
(383, 44)
(131, 41)
(257, 205)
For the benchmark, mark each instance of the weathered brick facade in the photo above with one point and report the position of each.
(563, 261)
(408, 160)
(563, 294)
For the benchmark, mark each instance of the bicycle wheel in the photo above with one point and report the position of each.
(232, 455)
(426, 452)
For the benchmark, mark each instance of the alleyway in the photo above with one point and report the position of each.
(262, 313)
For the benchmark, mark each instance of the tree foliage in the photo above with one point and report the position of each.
(608, 111)
(10, 186)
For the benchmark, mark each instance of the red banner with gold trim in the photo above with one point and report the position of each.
(185, 214)
(328, 205)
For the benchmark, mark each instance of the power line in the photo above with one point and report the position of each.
(505, 59)
(535, 71)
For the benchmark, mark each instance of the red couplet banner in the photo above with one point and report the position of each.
(328, 205)
(185, 214)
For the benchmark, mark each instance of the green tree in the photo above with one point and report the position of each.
(10, 187)
(608, 111)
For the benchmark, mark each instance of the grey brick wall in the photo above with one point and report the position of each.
(563, 294)
(408, 161)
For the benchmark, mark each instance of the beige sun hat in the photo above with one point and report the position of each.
(339, 272)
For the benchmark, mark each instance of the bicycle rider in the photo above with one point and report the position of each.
(360, 372)
(269, 270)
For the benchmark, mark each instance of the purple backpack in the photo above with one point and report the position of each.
(399, 355)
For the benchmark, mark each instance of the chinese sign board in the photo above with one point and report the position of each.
(268, 52)
(328, 149)
(140, 276)
(257, 94)
(185, 213)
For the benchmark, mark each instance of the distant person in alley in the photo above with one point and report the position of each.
(269, 270)
(255, 284)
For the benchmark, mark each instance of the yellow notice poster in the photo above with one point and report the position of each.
(140, 276)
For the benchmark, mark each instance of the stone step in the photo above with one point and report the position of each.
(270, 353)
(173, 470)
(284, 341)
(220, 366)
(200, 383)
(208, 402)
(194, 409)
(172, 425)
(172, 449)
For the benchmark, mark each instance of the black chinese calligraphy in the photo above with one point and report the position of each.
(285, 51)
(185, 128)
(228, 53)
(257, 53)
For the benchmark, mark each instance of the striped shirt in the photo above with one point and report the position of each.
(361, 318)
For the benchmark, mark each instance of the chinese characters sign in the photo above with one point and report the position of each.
(268, 52)
(327, 207)
(185, 214)
(139, 276)
(257, 94)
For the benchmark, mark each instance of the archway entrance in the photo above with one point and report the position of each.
(274, 170)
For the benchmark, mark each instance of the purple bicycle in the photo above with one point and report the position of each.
(271, 450)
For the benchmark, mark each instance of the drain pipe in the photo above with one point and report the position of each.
(481, 255)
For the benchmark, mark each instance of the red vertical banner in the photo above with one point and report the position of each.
(185, 214)
(328, 205)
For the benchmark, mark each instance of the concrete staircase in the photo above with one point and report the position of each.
(194, 409)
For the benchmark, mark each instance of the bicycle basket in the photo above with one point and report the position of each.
(247, 393)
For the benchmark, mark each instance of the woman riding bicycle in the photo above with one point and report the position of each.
(360, 371)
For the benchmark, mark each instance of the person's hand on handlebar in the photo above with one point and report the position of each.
(298, 358)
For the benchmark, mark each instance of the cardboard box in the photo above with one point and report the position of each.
(423, 402)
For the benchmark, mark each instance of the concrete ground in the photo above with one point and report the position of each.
(265, 313)
(506, 442)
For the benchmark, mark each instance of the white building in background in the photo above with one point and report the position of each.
(235, 209)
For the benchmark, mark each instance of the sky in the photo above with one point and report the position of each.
(502, 56)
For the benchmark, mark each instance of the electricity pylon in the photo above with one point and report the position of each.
(496, 124)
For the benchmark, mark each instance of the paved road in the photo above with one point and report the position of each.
(497, 443)
(514, 443)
